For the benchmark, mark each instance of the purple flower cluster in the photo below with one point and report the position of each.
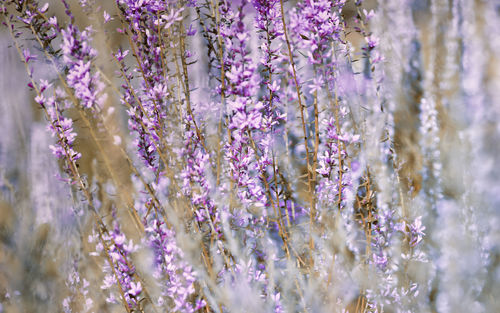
(332, 165)
(119, 266)
(60, 126)
(147, 24)
(315, 25)
(77, 56)
(265, 165)
(195, 184)
(245, 114)
(175, 276)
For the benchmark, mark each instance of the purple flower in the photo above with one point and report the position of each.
(28, 56)
(106, 17)
(416, 231)
(135, 289)
(78, 55)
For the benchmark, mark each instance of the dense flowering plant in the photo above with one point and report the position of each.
(251, 156)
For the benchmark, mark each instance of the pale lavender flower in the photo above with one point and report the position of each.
(78, 56)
